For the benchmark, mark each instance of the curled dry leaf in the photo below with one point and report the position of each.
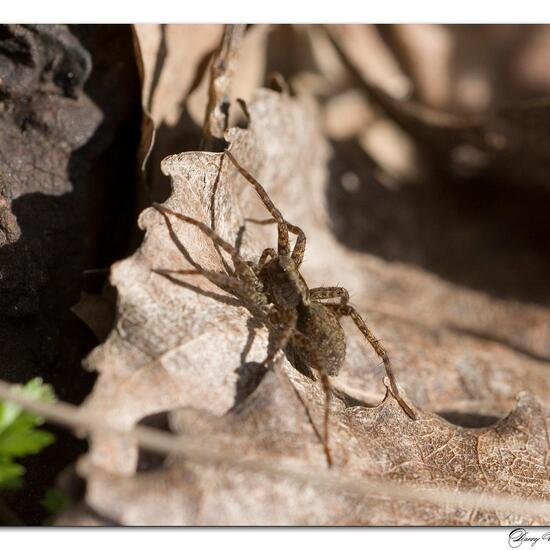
(372, 443)
(166, 329)
(221, 76)
(171, 55)
(185, 344)
(482, 116)
(173, 61)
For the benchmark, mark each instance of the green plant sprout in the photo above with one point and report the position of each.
(19, 433)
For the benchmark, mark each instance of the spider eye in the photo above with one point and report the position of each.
(285, 263)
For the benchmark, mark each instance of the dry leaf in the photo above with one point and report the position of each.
(473, 114)
(174, 61)
(370, 443)
(188, 344)
(171, 55)
(157, 346)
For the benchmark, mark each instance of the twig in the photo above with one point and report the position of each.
(193, 449)
(399, 110)
(221, 72)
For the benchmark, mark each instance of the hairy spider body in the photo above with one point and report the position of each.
(288, 292)
(283, 283)
(295, 314)
(321, 327)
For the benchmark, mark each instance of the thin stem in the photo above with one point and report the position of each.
(221, 72)
(194, 449)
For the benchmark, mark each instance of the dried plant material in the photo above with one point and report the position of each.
(171, 57)
(221, 75)
(250, 65)
(174, 61)
(491, 137)
(156, 347)
(529, 64)
(380, 66)
(471, 68)
(392, 150)
(425, 51)
(214, 453)
(249, 74)
(147, 134)
(97, 311)
(376, 443)
(423, 320)
(346, 115)
(185, 343)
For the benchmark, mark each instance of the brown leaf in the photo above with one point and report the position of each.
(221, 76)
(185, 343)
(478, 101)
(369, 443)
(164, 327)
(173, 59)
(171, 55)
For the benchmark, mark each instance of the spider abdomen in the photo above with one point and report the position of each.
(327, 342)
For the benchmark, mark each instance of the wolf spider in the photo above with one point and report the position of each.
(297, 315)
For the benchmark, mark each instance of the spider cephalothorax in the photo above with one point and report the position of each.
(283, 283)
(295, 314)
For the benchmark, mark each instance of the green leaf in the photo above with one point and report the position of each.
(10, 474)
(54, 501)
(22, 442)
(34, 389)
(8, 413)
(18, 434)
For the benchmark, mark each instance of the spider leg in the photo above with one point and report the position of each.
(347, 310)
(327, 388)
(283, 323)
(268, 252)
(304, 342)
(299, 247)
(282, 227)
(253, 287)
(325, 292)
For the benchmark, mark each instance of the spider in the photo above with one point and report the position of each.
(297, 315)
